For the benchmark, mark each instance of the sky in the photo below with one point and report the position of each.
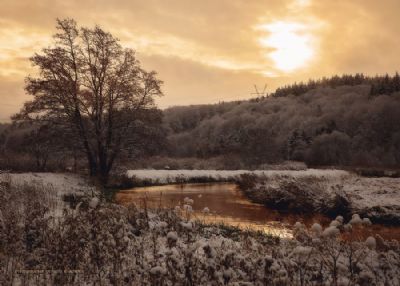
(212, 50)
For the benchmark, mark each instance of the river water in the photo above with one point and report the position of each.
(227, 204)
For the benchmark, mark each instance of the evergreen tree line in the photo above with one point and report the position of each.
(380, 84)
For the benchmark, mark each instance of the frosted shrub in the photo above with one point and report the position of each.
(188, 201)
(331, 231)
(158, 271)
(356, 220)
(177, 209)
(340, 219)
(370, 242)
(94, 202)
(188, 226)
(366, 221)
(335, 223)
(187, 208)
(335, 261)
(299, 226)
(157, 274)
(348, 227)
(172, 237)
(300, 257)
(316, 228)
(115, 245)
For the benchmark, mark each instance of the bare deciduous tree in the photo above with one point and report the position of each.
(91, 85)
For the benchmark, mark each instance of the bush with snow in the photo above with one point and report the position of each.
(116, 245)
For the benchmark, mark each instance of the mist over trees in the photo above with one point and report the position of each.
(348, 120)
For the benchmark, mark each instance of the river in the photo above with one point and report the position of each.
(227, 204)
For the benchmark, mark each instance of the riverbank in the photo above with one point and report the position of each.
(226, 203)
(335, 194)
(150, 177)
(325, 191)
(109, 244)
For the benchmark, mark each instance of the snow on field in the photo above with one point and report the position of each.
(377, 198)
(171, 176)
(53, 186)
(374, 196)
(61, 183)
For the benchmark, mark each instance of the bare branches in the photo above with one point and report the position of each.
(96, 86)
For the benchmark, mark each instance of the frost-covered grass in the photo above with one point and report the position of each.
(109, 244)
(330, 192)
(181, 176)
(53, 188)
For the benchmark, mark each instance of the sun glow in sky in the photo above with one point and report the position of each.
(291, 45)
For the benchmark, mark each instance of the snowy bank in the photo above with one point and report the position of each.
(376, 198)
(339, 193)
(178, 176)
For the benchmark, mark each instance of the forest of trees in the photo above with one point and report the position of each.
(385, 84)
(342, 121)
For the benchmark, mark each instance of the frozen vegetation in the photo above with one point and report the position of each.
(100, 243)
(177, 176)
(329, 192)
(55, 190)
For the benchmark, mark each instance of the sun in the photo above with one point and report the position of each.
(290, 45)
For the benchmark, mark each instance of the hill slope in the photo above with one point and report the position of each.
(341, 125)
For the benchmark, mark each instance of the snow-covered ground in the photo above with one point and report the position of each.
(52, 186)
(112, 244)
(62, 183)
(375, 197)
(173, 176)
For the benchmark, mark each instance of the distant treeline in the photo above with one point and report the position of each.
(343, 120)
(349, 120)
(385, 84)
(47, 147)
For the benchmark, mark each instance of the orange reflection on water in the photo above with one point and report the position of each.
(228, 205)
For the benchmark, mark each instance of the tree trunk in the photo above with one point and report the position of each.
(92, 166)
(103, 174)
(75, 163)
(103, 171)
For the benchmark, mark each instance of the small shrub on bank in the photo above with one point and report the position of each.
(247, 181)
(373, 172)
(306, 194)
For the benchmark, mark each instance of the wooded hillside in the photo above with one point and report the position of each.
(348, 120)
